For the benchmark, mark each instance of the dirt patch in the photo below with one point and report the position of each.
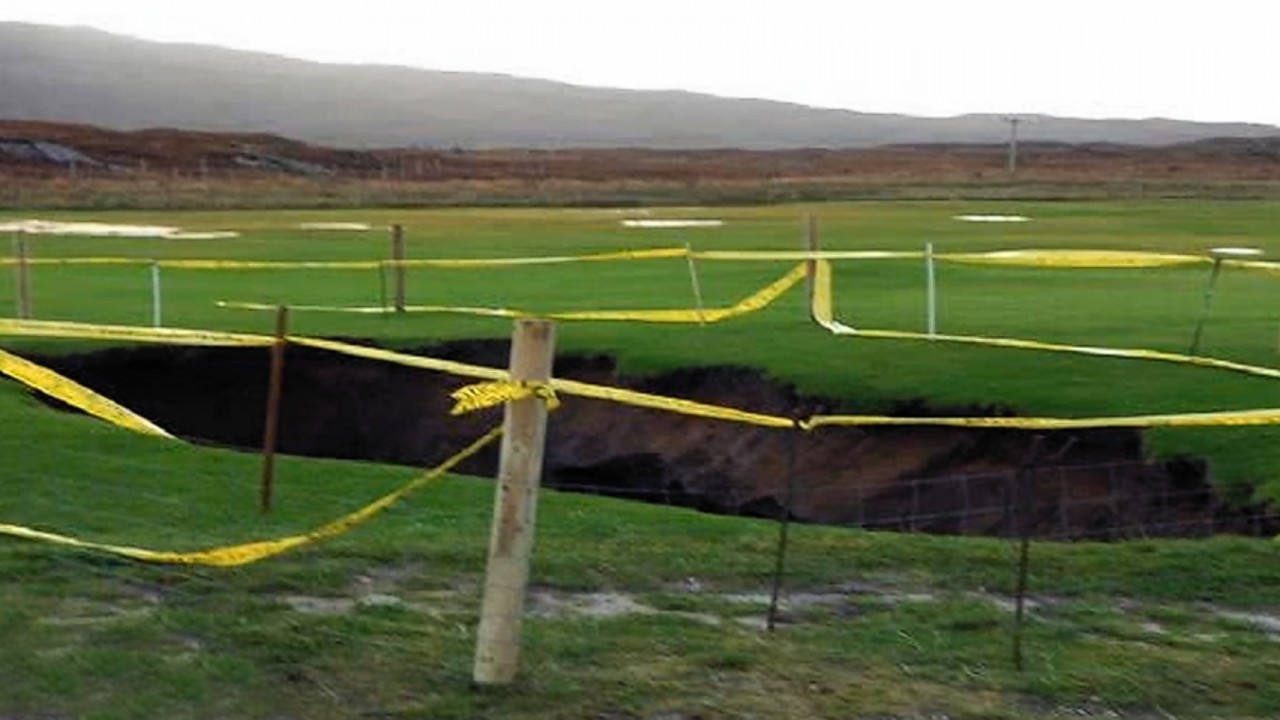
(1095, 483)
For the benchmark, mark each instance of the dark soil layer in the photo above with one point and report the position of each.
(1096, 483)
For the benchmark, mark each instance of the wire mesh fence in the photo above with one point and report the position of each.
(1096, 501)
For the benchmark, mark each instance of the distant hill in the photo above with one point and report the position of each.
(84, 75)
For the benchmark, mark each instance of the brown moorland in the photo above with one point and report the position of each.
(181, 168)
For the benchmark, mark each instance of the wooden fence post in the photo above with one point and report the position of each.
(514, 509)
(24, 277)
(271, 430)
(811, 244)
(397, 257)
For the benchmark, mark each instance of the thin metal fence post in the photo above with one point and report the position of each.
(915, 504)
(382, 287)
(697, 285)
(1140, 525)
(1113, 503)
(1024, 511)
(1207, 306)
(157, 316)
(859, 495)
(784, 527)
(931, 291)
(1010, 492)
(1064, 515)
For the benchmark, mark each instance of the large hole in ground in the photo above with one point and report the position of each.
(1096, 483)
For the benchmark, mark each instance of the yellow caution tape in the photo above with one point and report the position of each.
(756, 301)
(205, 264)
(1229, 418)
(416, 361)
(10, 261)
(76, 395)
(172, 336)
(649, 254)
(669, 404)
(1125, 353)
(488, 394)
(653, 254)
(491, 394)
(378, 309)
(823, 314)
(219, 264)
(1064, 258)
(653, 316)
(1263, 265)
(794, 255)
(561, 386)
(196, 264)
(1074, 258)
(769, 293)
(1061, 258)
(246, 553)
(821, 303)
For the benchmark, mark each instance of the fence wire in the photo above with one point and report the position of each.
(1096, 501)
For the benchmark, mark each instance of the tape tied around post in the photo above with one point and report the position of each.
(491, 394)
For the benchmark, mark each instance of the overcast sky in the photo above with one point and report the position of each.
(1185, 59)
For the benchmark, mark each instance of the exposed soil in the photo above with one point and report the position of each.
(1092, 483)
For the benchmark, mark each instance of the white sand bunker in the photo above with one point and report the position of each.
(94, 229)
(211, 235)
(1235, 252)
(335, 226)
(992, 218)
(672, 223)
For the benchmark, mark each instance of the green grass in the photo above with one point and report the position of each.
(1131, 627)
(1154, 308)
(90, 636)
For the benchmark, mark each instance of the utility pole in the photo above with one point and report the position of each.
(1012, 162)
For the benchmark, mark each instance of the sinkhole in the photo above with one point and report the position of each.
(1069, 485)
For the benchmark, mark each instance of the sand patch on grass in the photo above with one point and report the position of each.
(97, 229)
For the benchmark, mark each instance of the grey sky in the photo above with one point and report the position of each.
(1086, 58)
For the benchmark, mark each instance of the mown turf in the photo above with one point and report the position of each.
(1155, 308)
(918, 630)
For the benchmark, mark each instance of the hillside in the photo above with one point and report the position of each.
(83, 75)
(42, 149)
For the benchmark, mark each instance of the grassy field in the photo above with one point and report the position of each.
(1128, 308)
(380, 623)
